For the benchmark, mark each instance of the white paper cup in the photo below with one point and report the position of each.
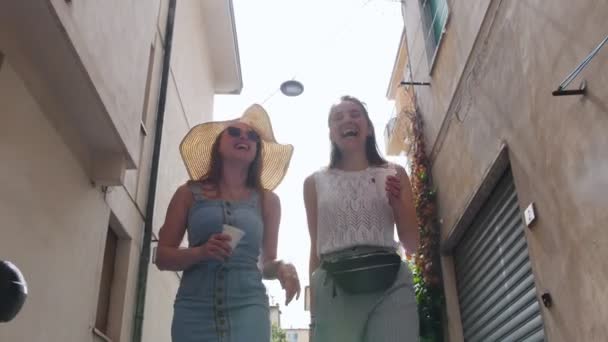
(235, 233)
(381, 176)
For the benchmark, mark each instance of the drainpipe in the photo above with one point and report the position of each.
(144, 259)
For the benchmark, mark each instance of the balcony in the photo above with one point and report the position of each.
(35, 41)
(85, 63)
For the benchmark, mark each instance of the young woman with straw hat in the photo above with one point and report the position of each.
(231, 216)
(361, 290)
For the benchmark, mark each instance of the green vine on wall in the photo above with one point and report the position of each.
(426, 267)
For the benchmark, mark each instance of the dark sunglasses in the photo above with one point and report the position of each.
(236, 133)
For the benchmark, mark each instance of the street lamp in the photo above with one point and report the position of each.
(292, 88)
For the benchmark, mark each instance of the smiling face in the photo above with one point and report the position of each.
(349, 128)
(239, 142)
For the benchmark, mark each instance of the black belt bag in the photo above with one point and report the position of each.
(365, 273)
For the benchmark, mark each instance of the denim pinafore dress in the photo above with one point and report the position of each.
(223, 301)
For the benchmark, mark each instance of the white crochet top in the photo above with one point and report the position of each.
(353, 209)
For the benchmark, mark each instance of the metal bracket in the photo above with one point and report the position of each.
(415, 83)
(582, 90)
(561, 89)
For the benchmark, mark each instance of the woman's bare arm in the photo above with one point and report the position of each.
(169, 255)
(273, 268)
(310, 202)
(405, 214)
(272, 217)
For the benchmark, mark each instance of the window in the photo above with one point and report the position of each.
(434, 15)
(137, 180)
(146, 103)
(112, 283)
(292, 337)
(105, 286)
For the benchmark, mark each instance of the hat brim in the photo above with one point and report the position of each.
(196, 147)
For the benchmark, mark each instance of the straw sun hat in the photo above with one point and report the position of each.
(196, 147)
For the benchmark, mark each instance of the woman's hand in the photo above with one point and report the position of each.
(288, 276)
(401, 200)
(393, 191)
(217, 247)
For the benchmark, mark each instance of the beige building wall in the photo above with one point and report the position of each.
(78, 101)
(53, 221)
(113, 43)
(189, 102)
(491, 85)
(398, 130)
(297, 335)
(275, 315)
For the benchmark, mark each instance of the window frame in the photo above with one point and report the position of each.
(112, 303)
(106, 281)
(427, 29)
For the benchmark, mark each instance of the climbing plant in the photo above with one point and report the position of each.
(278, 335)
(426, 264)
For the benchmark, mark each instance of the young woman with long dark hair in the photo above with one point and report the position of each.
(361, 289)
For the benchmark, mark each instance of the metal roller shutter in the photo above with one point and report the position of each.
(494, 278)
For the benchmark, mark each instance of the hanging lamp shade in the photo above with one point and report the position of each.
(292, 88)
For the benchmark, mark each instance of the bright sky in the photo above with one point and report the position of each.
(334, 47)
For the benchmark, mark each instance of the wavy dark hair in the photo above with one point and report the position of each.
(254, 174)
(374, 158)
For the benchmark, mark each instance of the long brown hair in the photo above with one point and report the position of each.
(372, 152)
(214, 176)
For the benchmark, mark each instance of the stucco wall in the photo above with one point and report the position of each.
(54, 219)
(189, 102)
(557, 144)
(464, 21)
(53, 222)
(113, 42)
(189, 97)
(191, 64)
